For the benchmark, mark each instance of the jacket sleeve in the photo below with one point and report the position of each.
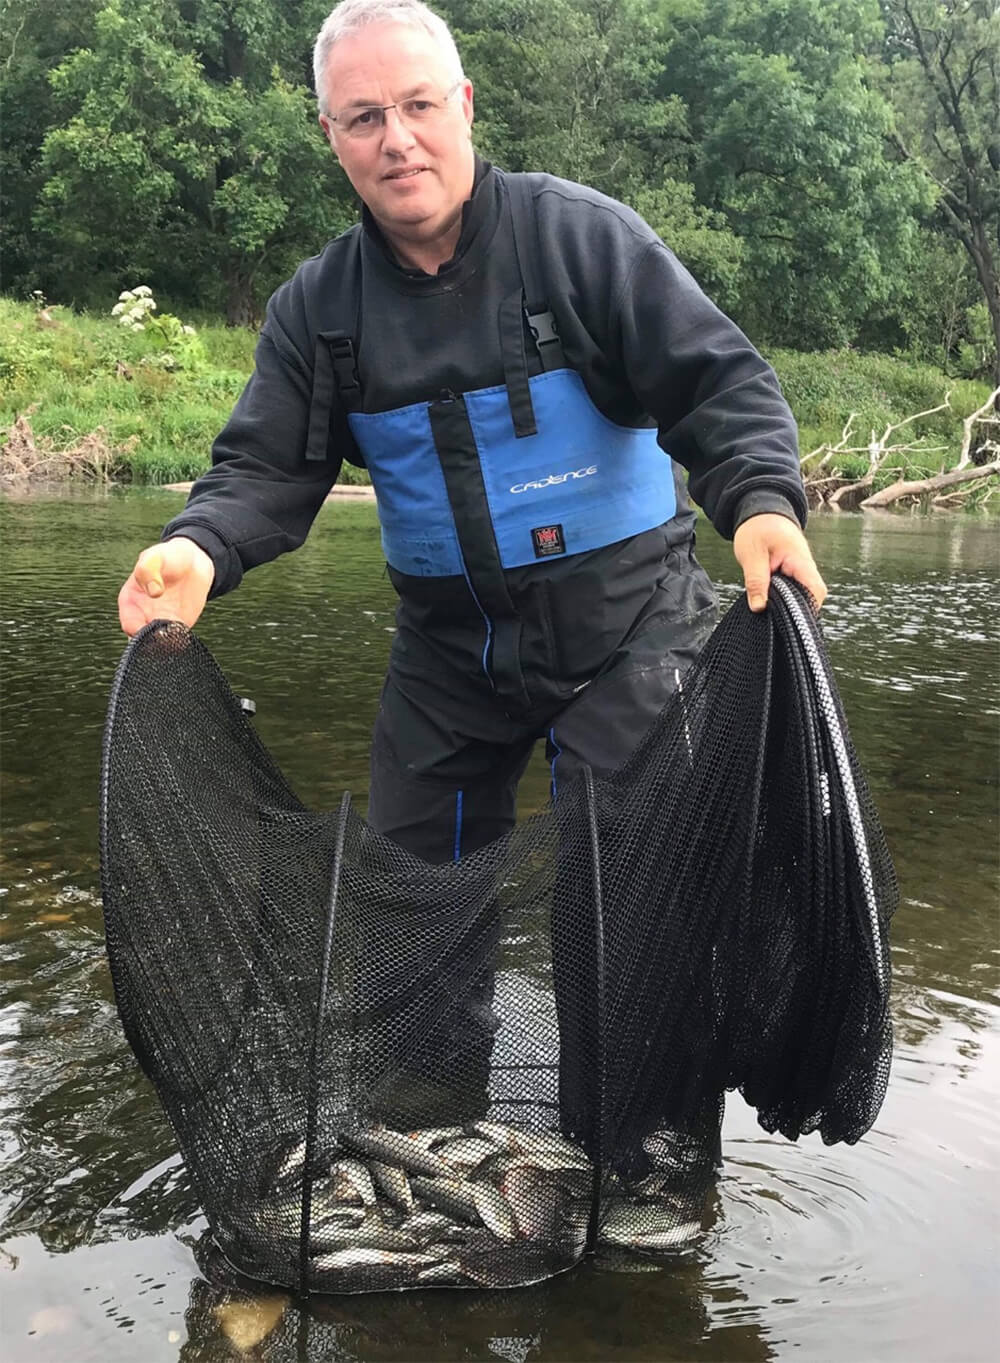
(261, 495)
(716, 401)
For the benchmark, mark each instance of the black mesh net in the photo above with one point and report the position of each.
(384, 1073)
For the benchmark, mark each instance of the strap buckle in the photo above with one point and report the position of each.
(345, 370)
(542, 326)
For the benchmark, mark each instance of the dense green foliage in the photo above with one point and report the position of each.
(74, 374)
(827, 168)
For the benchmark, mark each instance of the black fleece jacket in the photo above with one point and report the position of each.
(648, 344)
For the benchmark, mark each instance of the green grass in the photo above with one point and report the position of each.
(86, 372)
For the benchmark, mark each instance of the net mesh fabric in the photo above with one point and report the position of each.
(385, 1073)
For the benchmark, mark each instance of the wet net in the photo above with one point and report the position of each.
(384, 1073)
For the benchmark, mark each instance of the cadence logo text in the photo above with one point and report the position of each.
(554, 478)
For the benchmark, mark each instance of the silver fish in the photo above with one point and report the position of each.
(394, 1147)
(338, 1191)
(504, 1138)
(372, 1233)
(534, 1200)
(338, 1218)
(494, 1211)
(561, 1153)
(449, 1195)
(637, 1225)
(571, 1171)
(466, 1153)
(444, 1272)
(434, 1135)
(392, 1181)
(434, 1227)
(358, 1177)
(362, 1256)
(283, 1164)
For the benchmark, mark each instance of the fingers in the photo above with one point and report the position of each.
(769, 543)
(170, 581)
(757, 578)
(148, 571)
(804, 570)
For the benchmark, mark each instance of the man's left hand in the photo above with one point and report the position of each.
(771, 543)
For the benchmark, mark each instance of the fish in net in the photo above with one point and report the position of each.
(384, 1073)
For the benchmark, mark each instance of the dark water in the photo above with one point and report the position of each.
(887, 1251)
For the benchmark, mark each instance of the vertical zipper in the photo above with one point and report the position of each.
(446, 399)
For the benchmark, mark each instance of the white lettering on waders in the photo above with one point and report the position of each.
(536, 484)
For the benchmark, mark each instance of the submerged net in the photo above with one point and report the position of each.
(384, 1073)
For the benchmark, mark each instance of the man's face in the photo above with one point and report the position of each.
(414, 178)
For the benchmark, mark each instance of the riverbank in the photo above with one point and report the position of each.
(356, 493)
(82, 398)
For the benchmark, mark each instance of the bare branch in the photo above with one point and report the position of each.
(831, 450)
(887, 495)
(978, 416)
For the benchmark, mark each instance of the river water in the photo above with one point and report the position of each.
(886, 1251)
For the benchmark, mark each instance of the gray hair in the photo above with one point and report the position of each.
(350, 16)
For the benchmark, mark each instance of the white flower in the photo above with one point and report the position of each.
(143, 291)
(118, 308)
(127, 297)
(188, 331)
(137, 326)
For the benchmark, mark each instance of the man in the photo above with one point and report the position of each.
(517, 360)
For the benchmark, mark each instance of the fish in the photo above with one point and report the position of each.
(467, 1153)
(534, 1201)
(444, 1272)
(393, 1183)
(449, 1195)
(284, 1163)
(359, 1177)
(395, 1148)
(555, 1149)
(362, 1256)
(434, 1135)
(372, 1233)
(337, 1216)
(548, 1146)
(434, 1227)
(569, 1171)
(494, 1210)
(637, 1225)
(504, 1138)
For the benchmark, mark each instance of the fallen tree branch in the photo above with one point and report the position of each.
(831, 450)
(980, 417)
(849, 490)
(895, 491)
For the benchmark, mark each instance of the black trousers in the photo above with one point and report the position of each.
(445, 766)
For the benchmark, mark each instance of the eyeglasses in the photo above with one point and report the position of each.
(369, 120)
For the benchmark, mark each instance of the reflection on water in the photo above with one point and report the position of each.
(882, 1251)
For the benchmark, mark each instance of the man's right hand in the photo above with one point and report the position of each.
(170, 581)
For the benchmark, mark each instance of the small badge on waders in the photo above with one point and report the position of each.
(548, 539)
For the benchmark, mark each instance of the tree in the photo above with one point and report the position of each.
(944, 68)
(187, 153)
(572, 87)
(35, 38)
(788, 142)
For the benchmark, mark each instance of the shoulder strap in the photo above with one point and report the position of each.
(335, 372)
(528, 249)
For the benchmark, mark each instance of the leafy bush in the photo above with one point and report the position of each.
(82, 373)
(824, 387)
